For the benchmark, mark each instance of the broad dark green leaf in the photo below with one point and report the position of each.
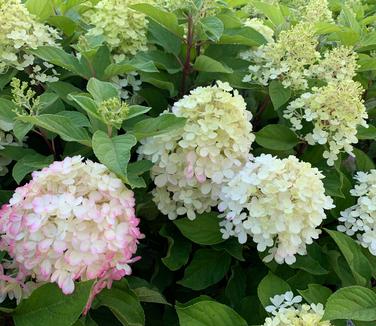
(245, 36)
(207, 267)
(204, 229)
(213, 27)
(30, 163)
(359, 264)
(114, 152)
(61, 125)
(278, 94)
(207, 64)
(353, 302)
(49, 306)
(270, 286)
(208, 313)
(42, 9)
(178, 250)
(276, 137)
(157, 126)
(363, 161)
(316, 293)
(124, 304)
(164, 18)
(101, 91)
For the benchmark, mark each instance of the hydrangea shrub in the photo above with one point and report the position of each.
(187, 163)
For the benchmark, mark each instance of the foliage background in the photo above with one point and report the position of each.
(188, 274)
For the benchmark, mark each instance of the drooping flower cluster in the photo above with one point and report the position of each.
(360, 219)
(192, 163)
(287, 311)
(335, 111)
(287, 59)
(19, 32)
(73, 221)
(278, 202)
(122, 28)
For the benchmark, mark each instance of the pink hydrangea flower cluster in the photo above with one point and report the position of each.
(74, 220)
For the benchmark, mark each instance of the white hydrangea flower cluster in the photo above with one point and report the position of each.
(191, 164)
(73, 221)
(287, 311)
(316, 11)
(360, 219)
(335, 111)
(123, 28)
(19, 32)
(258, 25)
(288, 59)
(338, 64)
(278, 202)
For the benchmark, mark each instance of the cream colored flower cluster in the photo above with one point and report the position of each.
(360, 219)
(288, 59)
(287, 311)
(192, 163)
(337, 64)
(73, 221)
(335, 111)
(123, 28)
(19, 32)
(316, 11)
(278, 202)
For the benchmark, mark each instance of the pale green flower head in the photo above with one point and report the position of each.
(113, 112)
(24, 98)
(19, 32)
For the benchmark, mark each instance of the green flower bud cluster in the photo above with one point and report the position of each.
(24, 98)
(113, 112)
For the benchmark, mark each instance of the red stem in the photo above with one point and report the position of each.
(187, 64)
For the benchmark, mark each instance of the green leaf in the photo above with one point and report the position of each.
(270, 286)
(207, 267)
(138, 63)
(204, 229)
(101, 91)
(276, 137)
(62, 59)
(278, 94)
(86, 103)
(366, 133)
(333, 182)
(7, 115)
(124, 304)
(206, 64)
(160, 80)
(363, 161)
(63, 126)
(316, 293)
(358, 263)
(178, 250)
(67, 25)
(136, 110)
(164, 38)
(353, 302)
(145, 291)
(366, 63)
(47, 305)
(164, 18)
(157, 126)
(134, 172)
(212, 27)
(30, 163)
(162, 60)
(236, 287)
(208, 313)
(245, 36)
(232, 247)
(42, 9)
(273, 12)
(114, 152)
